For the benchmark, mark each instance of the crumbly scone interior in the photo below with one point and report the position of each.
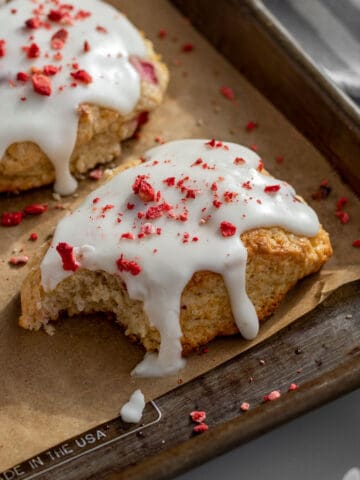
(276, 261)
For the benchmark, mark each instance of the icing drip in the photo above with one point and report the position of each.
(131, 411)
(99, 41)
(182, 211)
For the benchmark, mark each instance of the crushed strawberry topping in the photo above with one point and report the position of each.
(59, 38)
(82, 76)
(343, 217)
(50, 70)
(201, 428)
(293, 387)
(143, 189)
(227, 92)
(33, 236)
(11, 219)
(20, 260)
(271, 188)
(244, 407)
(41, 84)
(250, 126)
(274, 395)
(187, 47)
(33, 23)
(22, 76)
(33, 51)
(227, 229)
(198, 416)
(35, 209)
(67, 255)
(128, 266)
(340, 204)
(356, 243)
(2, 48)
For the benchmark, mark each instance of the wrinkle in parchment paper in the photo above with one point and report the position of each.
(52, 388)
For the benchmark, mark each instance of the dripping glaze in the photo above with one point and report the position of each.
(199, 196)
(100, 41)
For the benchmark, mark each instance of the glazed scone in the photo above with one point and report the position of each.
(70, 98)
(201, 243)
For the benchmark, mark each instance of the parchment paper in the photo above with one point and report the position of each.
(52, 388)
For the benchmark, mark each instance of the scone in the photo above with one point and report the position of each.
(75, 80)
(198, 241)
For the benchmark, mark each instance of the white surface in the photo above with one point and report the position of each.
(323, 444)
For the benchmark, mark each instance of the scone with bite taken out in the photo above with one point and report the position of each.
(197, 242)
(75, 80)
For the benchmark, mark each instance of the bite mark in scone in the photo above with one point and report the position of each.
(72, 89)
(197, 242)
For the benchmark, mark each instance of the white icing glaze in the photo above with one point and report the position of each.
(51, 121)
(131, 411)
(352, 474)
(167, 262)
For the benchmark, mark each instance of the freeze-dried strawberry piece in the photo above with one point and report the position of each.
(162, 33)
(244, 407)
(239, 161)
(67, 255)
(82, 76)
(35, 209)
(128, 266)
(271, 188)
(227, 92)
(143, 189)
(33, 23)
(101, 29)
(87, 47)
(50, 70)
(198, 416)
(343, 216)
(33, 236)
(201, 428)
(20, 260)
(340, 204)
(250, 126)
(274, 395)
(55, 15)
(356, 243)
(145, 69)
(41, 84)
(293, 387)
(170, 181)
(156, 211)
(59, 38)
(10, 219)
(128, 236)
(82, 14)
(227, 229)
(2, 48)
(22, 76)
(33, 51)
(187, 47)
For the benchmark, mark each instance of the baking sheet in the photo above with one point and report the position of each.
(52, 388)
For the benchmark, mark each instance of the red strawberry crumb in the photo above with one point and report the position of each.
(33, 23)
(227, 229)
(227, 92)
(356, 243)
(244, 406)
(101, 29)
(20, 260)
(41, 84)
(260, 167)
(187, 47)
(22, 77)
(247, 185)
(67, 255)
(50, 70)
(33, 51)
(274, 395)
(293, 387)
(35, 209)
(95, 200)
(130, 206)
(162, 33)
(59, 38)
(250, 126)
(279, 159)
(155, 212)
(2, 48)
(217, 203)
(342, 201)
(254, 147)
(195, 239)
(324, 183)
(198, 416)
(55, 15)
(143, 189)
(87, 47)
(128, 236)
(271, 188)
(13, 11)
(82, 14)
(11, 219)
(183, 217)
(33, 237)
(170, 181)
(239, 161)
(158, 139)
(343, 216)
(201, 428)
(197, 162)
(96, 174)
(82, 76)
(214, 187)
(128, 266)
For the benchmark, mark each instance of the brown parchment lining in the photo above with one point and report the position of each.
(52, 388)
